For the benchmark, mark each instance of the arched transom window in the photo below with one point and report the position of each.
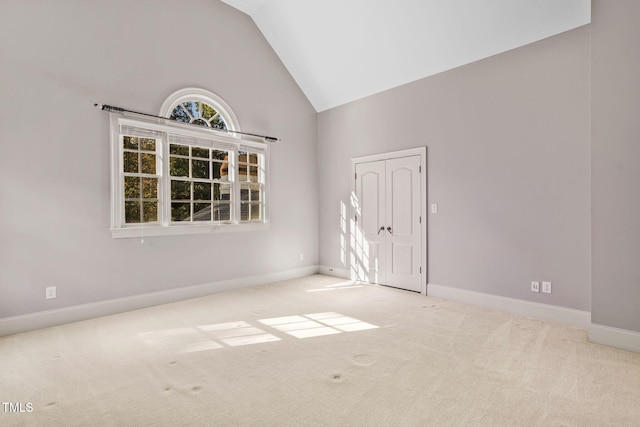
(199, 107)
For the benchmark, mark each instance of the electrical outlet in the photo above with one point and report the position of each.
(546, 287)
(535, 286)
(50, 292)
(301, 257)
(434, 208)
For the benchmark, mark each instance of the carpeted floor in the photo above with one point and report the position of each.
(316, 351)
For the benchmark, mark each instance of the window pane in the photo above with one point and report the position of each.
(200, 122)
(244, 192)
(224, 170)
(191, 107)
(218, 123)
(200, 152)
(130, 162)
(182, 150)
(131, 212)
(255, 192)
(131, 187)
(207, 111)
(180, 190)
(221, 191)
(200, 169)
(179, 167)
(220, 155)
(201, 191)
(131, 142)
(180, 115)
(148, 163)
(148, 144)
(256, 211)
(245, 157)
(150, 188)
(202, 211)
(150, 210)
(253, 173)
(216, 170)
(244, 212)
(180, 211)
(222, 212)
(242, 172)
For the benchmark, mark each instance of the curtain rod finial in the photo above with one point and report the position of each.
(98, 106)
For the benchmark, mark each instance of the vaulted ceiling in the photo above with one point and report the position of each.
(342, 50)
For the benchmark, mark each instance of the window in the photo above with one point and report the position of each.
(169, 177)
(139, 162)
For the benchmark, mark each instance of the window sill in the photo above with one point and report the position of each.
(176, 230)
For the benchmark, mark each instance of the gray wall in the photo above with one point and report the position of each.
(58, 58)
(508, 165)
(615, 171)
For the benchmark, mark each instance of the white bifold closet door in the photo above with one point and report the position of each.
(389, 222)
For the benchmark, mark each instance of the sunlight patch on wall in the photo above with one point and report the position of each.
(363, 267)
(343, 233)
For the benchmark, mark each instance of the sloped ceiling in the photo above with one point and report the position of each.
(342, 50)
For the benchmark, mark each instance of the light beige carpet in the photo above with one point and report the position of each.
(316, 351)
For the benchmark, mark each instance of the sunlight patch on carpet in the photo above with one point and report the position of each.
(338, 286)
(216, 336)
(317, 324)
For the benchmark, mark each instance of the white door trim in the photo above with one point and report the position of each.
(418, 151)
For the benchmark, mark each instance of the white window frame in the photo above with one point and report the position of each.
(164, 226)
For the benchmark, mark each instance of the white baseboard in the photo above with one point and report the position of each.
(49, 318)
(552, 313)
(342, 273)
(614, 337)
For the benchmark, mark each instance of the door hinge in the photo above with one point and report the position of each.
(355, 218)
(420, 220)
(419, 169)
(356, 176)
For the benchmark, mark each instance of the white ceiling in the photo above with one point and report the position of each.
(342, 50)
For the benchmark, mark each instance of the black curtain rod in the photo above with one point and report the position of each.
(112, 109)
